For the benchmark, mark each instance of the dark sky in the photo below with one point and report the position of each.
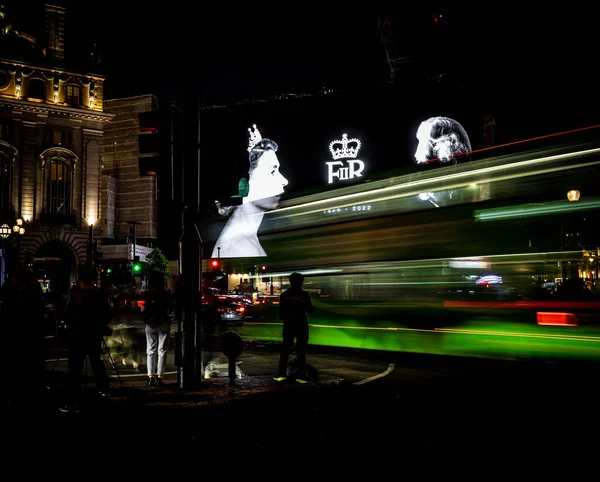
(533, 55)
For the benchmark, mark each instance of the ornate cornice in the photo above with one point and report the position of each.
(58, 111)
(15, 64)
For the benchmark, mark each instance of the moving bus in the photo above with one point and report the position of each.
(500, 228)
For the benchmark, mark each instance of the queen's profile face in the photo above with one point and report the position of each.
(266, 182)
(441, 139)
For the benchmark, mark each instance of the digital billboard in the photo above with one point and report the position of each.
(256, 154)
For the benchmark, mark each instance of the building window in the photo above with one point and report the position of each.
(58, 137)
(58, 167)
(5, 132)
(36, 89)
(73, 95)
(5, 181)
(58, 188)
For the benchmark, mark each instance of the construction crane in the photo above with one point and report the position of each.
(394, 60)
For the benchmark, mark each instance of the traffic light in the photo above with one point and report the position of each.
(136, 267)
(214, 264)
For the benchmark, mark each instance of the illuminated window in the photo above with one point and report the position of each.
(58, 173)
(58, 137)
(73, 95)
(58, 188)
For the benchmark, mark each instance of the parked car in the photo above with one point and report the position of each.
(231, 311)
(264, 307)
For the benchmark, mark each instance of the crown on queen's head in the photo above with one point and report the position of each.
(345, 147)
(255, 137)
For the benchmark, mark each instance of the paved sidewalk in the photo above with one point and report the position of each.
(364, 403)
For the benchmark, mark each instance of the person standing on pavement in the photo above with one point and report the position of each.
(22, 309)
(294, 304)
(158, 304)
(88, 315)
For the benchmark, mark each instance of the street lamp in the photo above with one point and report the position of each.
(5, 232)
(90, 246)
(18, 228)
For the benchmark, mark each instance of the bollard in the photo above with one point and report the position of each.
(232, 346)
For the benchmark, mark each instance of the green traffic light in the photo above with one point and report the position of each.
(137, 268)
(109, 270)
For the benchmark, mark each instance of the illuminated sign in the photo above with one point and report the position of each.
(469, 263)
(259, 193)
(345, 166)
(349, 209)
(442, 140)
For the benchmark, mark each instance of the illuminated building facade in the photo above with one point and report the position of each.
(52, 122)
(130, 173)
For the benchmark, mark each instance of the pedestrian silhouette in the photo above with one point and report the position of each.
(87, 316)
(158, 304)
(294, 304)
(23, 309)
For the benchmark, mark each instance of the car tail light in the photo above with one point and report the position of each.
(241, 309)
(141, 303)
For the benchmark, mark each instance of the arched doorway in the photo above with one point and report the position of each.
(55, 266)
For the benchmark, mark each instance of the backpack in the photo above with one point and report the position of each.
(88, 312)
(157, 307)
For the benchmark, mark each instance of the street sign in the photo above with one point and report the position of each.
(125, 252)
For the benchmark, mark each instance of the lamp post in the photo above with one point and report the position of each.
(135, 225)
(5, 232)
(90, 249)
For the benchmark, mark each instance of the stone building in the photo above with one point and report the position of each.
(129, 184)
(52, 123)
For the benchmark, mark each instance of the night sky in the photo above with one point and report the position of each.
(524, 57)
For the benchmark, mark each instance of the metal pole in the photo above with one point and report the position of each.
(135, 223)
(191, 250)
(173, 105)
(90, 254)
(3, 261)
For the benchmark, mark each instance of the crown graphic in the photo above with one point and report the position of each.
(254, 137)
(344, 147)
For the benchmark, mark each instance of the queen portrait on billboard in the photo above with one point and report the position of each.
(261, 192)
(443, 141)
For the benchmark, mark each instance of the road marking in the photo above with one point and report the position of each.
(549, 336)
(389, 370)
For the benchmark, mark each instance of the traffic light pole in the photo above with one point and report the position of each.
(190, 371)
(135, 224)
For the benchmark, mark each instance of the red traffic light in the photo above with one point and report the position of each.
(263, 267)
(214, 263)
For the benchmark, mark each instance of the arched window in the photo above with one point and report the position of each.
(73, 95)
(58, 168)
(58, 187)
(7, 155)
(36, 89)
